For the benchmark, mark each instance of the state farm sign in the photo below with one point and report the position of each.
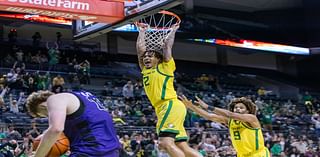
(56, 3)
(91, 10)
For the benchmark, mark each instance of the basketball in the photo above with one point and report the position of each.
(60, 147)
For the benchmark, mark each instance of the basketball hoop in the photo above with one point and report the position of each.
(157, 28)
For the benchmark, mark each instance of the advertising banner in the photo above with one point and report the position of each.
(89, 10)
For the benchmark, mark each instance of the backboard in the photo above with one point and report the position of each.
(133, 10)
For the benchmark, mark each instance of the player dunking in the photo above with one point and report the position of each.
(158, 69)
(244, 126)
(82, 118)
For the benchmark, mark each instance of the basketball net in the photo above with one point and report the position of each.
(157, 29)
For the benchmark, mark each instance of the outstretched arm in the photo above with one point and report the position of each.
(203, 113)
(168, 43)
(141, 43)
(249, 118)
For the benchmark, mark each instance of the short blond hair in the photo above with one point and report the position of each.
(35, 99)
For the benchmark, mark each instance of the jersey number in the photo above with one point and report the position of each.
(146, 80)
(236, 135)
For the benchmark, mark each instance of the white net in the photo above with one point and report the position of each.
(158, 28)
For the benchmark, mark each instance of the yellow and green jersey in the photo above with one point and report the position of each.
(158, 82)
(246, 140)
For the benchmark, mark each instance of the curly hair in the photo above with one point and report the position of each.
(157, 54)
(251, 107)
(36, 98)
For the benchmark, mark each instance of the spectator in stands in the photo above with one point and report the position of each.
(137, 91)
(136, 144)
(263, 92)
(20, 56)
(260, 103)
(7, 148)
(307, 100)
(12, 134)
(108, 102)
(74, 81)
(316, 121)
(3, 107)
(28, 57)
(125, 142)
(301, 145)
(196, 133)
(116, 92)
(267, 116)
(117, 116)
(19, 67)
(137, 111)
(276, 149)
(67, 111)
(143, 121)
(59, 35)
(14, 104)
(36, 40)
(2, 82)
(108, 88)
(8, 59)
(43, 59)
(147, 110)
(43, 80)
(127, 92)
(229, 97)
(203, 82)
(37, 60)
(53, 53)
(206, 143)
(119, 102)
(84, 72)
(72, 64)
(12, 36)
(128, 111)
(34, 132)
(31, 86)
(24, 149)
(12, 78)
(57, 84)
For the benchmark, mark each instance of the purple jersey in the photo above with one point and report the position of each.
(90, 129)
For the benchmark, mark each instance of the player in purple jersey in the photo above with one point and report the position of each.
(83, 119)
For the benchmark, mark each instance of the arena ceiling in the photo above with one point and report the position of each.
(293, 22)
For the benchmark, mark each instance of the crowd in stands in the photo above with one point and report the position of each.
(291, 127)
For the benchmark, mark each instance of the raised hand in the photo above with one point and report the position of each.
(175, 27)
(186, 101)
(169, 40)
(201, 103)
(142, 27)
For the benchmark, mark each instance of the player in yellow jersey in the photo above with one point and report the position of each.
(158, 76)
(244, 126)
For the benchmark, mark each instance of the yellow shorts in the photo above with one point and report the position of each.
(171, 115)
(261, 153)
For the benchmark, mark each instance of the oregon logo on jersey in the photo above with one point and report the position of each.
(158, 82)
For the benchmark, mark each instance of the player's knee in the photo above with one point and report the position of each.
(165, 144)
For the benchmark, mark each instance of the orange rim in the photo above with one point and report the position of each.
(139, 24)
